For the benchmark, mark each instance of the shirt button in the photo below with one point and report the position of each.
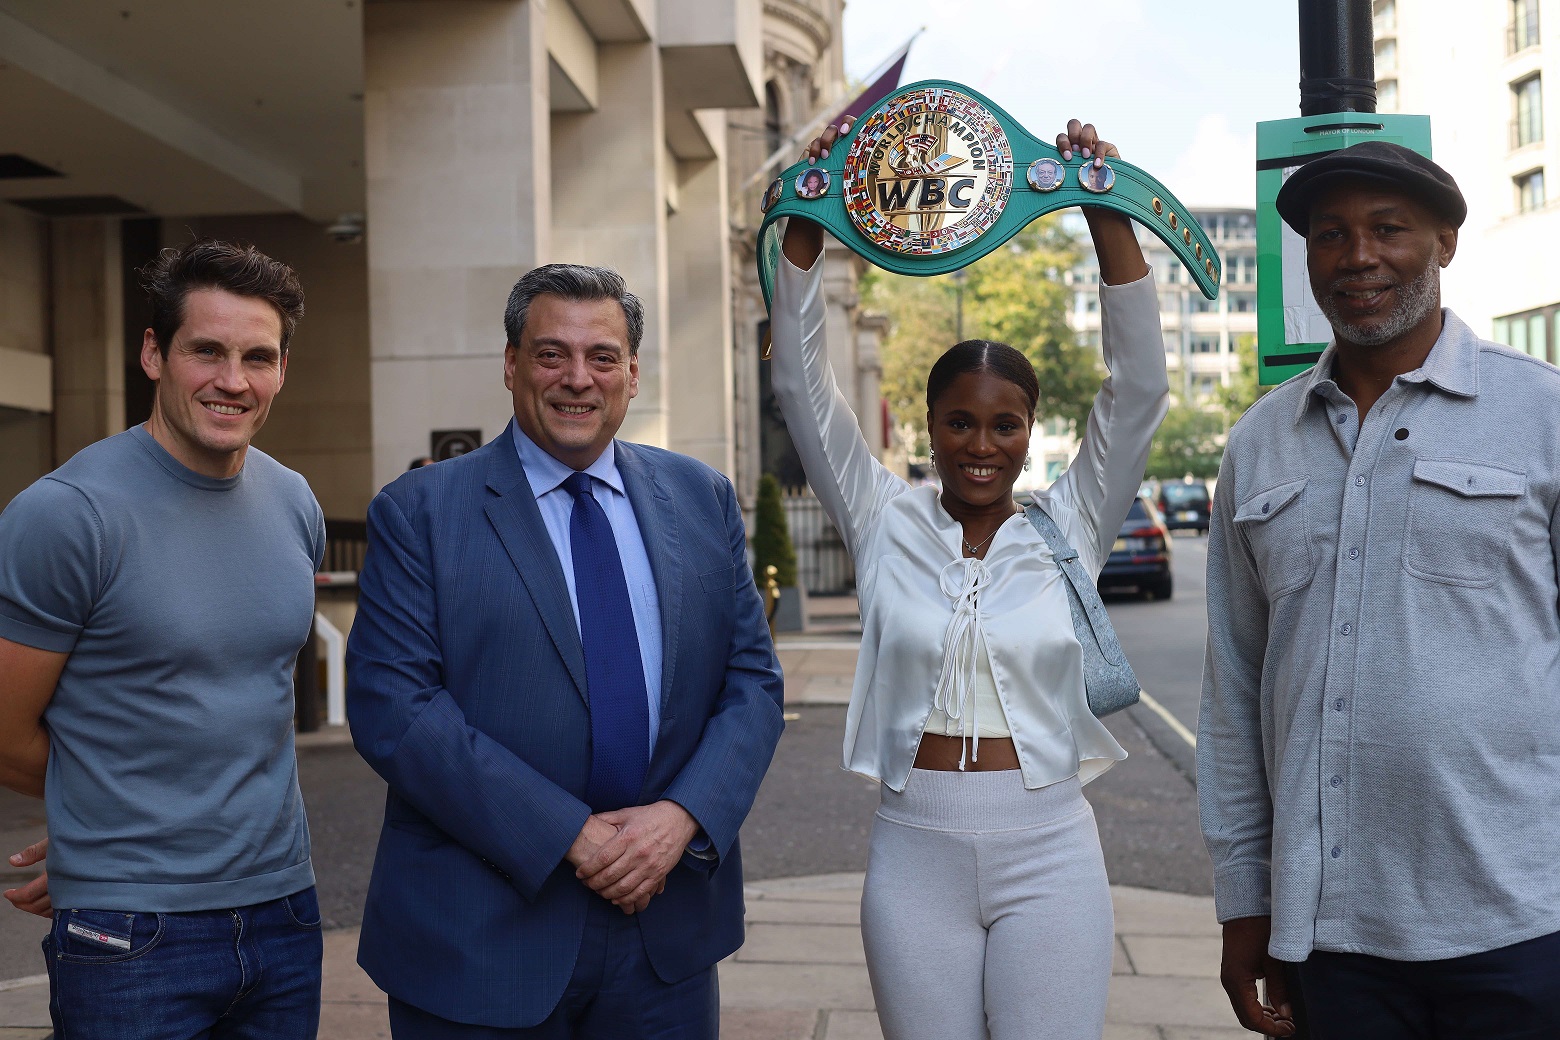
(1336, 852)
(1359, 481)
(1338, 704)
(1347, 628)
(1354, 553)
(1337, 781)
(1343, 417)
(1266, 507)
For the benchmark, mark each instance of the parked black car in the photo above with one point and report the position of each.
(1185, 505)
(1140, 559)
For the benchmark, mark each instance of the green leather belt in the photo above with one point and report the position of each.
(936, 177)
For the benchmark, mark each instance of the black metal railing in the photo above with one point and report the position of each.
(346, 543)
(823, 567)
(1525, 132)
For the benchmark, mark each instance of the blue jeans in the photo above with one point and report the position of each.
(249, 973)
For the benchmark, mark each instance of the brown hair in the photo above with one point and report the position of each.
(208, 263)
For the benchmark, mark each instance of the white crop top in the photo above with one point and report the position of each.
(980, 714)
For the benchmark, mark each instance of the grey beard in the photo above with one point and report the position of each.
(1415, 300)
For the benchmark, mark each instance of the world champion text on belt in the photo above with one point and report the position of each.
(936, 176)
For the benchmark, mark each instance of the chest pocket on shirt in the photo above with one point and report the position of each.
(1273, 523)
(1460, 516)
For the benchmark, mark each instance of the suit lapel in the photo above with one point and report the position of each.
(518, 523)
(658, 527)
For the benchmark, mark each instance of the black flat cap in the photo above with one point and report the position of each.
(1391, 164)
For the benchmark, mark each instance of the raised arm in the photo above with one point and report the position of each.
(852, 485)
(1093, 496)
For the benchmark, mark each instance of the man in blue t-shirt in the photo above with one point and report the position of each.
(154, 593)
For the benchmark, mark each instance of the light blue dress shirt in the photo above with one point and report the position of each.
(546, 476)
(1378, 753)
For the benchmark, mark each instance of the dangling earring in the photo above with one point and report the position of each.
(1027, 460)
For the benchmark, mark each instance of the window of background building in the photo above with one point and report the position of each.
(1202, 305)
(772, 127)
(1386, 16)
(1530, 191)
(1243, 303)
(1387, 95)
(1207, 344)
(1173, 272)
(1386, 55)
(1172, 342)
(1522, 33)
(1530, 331)
(1528, 106)
(1204, 385)
(1089, 303)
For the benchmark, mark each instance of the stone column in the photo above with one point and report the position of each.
(700, 397)
(89, 338)
(609, 206)
(457, 136)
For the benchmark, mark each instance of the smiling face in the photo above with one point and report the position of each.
(572, 376)
(980, 434)
(223, 368)
(1375, 259)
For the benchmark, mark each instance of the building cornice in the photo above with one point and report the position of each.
(803, 17)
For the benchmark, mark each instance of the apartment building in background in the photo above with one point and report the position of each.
(1481, 71)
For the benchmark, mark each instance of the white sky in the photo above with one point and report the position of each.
(1177, 85)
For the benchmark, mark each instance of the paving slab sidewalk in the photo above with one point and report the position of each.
(801, 974)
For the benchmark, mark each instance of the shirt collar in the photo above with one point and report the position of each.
(547, 474)
(1452, 365)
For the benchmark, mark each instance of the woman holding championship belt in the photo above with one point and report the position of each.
(986, 910)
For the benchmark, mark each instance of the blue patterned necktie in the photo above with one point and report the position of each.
(614, 671)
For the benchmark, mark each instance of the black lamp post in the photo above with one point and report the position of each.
(1337, 57)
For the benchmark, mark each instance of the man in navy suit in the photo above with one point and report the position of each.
(560, 665)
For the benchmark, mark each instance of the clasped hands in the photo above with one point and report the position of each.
(624, 855)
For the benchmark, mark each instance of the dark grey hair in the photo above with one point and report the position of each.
(573, 282)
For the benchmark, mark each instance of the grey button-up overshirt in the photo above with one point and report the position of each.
(1379, 743)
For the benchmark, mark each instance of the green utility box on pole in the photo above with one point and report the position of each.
(1291, 330)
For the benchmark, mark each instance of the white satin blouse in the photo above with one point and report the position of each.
(927, 612)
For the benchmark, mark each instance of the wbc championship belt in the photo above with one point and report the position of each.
(936, 176)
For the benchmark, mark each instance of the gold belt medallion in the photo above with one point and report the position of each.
(929, 173)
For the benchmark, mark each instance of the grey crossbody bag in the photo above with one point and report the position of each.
(1107, 677)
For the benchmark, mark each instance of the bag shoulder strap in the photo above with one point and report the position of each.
(1085, 596)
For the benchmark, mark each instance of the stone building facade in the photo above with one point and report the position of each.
(410, 160)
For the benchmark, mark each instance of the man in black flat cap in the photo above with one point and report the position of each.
(1379, 749)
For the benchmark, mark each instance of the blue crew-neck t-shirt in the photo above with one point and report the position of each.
(182, 601)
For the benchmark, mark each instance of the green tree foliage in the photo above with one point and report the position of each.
(771, 537)
(1243, 390)
(1014, 295)
(1189, 441)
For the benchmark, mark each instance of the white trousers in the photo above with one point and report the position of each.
(986, 912)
